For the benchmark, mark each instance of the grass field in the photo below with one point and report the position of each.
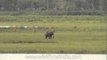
(73, 34)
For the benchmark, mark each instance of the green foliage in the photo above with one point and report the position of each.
(60, 7)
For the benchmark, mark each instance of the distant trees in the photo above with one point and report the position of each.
(104, 5)
(62, 6)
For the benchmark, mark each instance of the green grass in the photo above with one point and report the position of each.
(30, 18)
(64, 42)
(71, 36)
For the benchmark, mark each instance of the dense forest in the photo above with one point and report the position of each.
(56, 7)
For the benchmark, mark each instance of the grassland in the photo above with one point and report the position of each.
(73, 34)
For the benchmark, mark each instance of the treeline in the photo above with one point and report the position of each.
(56, 7)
